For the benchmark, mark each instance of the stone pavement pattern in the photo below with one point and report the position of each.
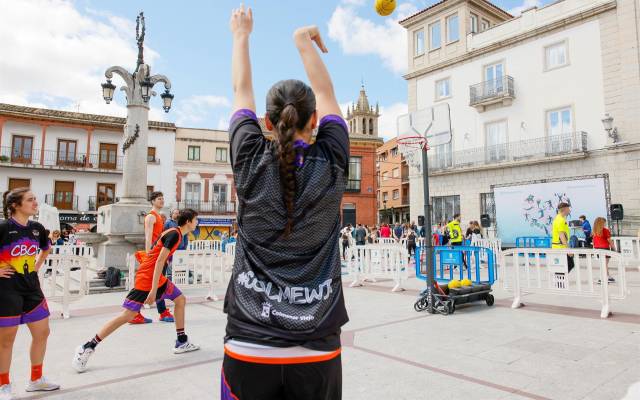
(389, 351)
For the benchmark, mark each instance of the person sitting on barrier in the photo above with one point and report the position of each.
(150, 287)
(455, 235)
(24, 247)
(560, 232)
(602, 240)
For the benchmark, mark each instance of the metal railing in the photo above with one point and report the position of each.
(489, 90)
(63, 160)
(353, 185)
(557, 145)
(92, 203)
(61, 201)
(208, 206)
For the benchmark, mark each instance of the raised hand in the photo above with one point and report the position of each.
(241, 22)
(311, 32)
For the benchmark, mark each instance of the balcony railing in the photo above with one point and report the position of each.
(493, 91)
(353, 185)
(62, 201)
(55, 159)
(92, 204)
(213, 207)
(530, 149)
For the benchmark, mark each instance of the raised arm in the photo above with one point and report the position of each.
(241, 25)
(317, 73)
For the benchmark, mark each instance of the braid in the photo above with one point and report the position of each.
(286, 128)
(5, 206)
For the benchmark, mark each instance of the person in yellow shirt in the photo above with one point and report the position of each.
(560, 231)
(455, 235)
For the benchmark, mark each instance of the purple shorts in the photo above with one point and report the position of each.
(135, 299)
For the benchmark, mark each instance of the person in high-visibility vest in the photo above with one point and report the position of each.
(560, 231)
(455, 235)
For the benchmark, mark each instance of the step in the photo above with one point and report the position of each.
(104, 289)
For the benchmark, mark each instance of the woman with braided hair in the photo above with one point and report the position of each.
(285, 305)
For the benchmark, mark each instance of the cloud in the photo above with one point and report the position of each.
(526, 4)
(196, 109)
(360, 36)
(387, 127)
(55, 56)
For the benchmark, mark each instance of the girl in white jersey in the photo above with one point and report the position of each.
(285, 303)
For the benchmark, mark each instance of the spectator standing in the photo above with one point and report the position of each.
(602, 240)
(586, 228)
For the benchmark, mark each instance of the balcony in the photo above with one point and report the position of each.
(92, 204)
(64, 161)
(521, 152)
(62, 201)
(353, 185)
(212, 207)
(498, 91)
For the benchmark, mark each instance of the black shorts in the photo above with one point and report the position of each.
(22, 307)
(309, 381)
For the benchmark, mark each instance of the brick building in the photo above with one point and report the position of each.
(393, 184)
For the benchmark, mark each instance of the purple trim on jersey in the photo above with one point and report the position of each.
(37, 314)
(18, 223)
(6, 322)
(299, 161)
(171, 292)
(243, 113)
(333, 118)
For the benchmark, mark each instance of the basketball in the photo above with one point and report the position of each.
(385, 7)
(466, 282)
(454, 284)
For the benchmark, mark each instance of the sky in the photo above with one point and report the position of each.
(55, 52)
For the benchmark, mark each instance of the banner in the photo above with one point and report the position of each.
(529, 209)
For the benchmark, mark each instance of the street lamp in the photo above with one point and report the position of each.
(167, 98)
(145, 88)
(612, 131)
(107, 91)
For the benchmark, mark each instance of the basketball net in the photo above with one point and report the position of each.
(411, 148)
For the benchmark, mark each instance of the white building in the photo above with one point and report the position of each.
(73, 161)
(527, 97)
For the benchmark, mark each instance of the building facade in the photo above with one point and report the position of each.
(73, 161)
(359, 200)
(528, 96)
(204, 179)
(393, 184)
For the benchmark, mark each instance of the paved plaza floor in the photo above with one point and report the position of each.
(553, 348)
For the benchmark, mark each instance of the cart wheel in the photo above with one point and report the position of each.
(421, 304)
(452, 307)
(489, 299)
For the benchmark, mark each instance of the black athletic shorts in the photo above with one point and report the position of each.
(243, 380)
(22, 307)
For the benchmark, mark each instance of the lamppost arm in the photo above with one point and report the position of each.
(125, 75)
(161, 78)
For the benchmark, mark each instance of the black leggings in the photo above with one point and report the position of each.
(308, 381)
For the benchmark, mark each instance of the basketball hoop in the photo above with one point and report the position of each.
(413, 142)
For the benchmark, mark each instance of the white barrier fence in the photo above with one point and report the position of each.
(629, 247)
(368, 262)
(546, 271)
(214, 245)
(70, 249)
(63, 279)
(495, 245)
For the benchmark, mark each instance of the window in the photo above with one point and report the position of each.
(485, 25)
(106, 194)
(443, 156)
(63, 198)
(488, 206)
(151, 154)
(394, 152)
(444, 208)
(434, 36)
(108, 156)
(355, 174)
(443, 89)
(66, 152)
(219, 193)
(559, 127)
(453, 28)
(385, 196)
(221, 154)
(15, 183)
(364, 126)
(496, 141)
(193, 153)
(418, 40)
(22, 149)
(474, 23)
(385, 176)
(556, 56)
(192, 194)
(149, 191)
(494, 79)
(395, 173)
(396, 194)
(370, 126)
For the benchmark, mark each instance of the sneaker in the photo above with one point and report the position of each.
(185, 347)
(611, 280)
(139, 319)
(41, 385)
(5, 392)
(166, 316)
(80, 358)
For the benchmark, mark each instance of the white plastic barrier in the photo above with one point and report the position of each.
(629, 247)
(545, 271)
(226, 260)
(194, 269)
(214, 245)
(365, 263)
(494, 245)
(387, 241)
(63, 279)
(70, 249)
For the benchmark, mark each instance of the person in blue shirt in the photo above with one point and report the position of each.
(172, 222)
(586, 228)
